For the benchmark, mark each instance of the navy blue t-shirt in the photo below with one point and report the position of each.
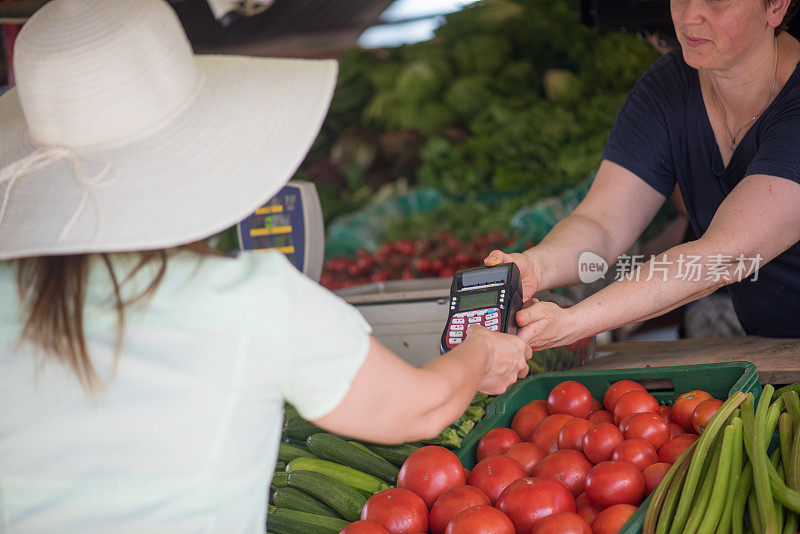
(663, 135)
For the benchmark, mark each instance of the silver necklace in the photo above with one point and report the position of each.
(756, 116)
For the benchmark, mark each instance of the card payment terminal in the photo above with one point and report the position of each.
(486, 296)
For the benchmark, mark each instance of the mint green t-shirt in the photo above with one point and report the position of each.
(182, 435)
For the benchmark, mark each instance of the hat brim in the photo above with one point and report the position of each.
(242, 138)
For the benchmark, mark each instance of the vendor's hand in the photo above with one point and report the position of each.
(546, 324)
(507, 360)
(529, 274)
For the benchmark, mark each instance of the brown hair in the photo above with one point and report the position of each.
(790, 12)
(52, 292)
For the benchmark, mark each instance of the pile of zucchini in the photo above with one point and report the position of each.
(322, 480)
(729, 473)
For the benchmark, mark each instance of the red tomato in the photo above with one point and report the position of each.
(563, 523)
(482, 519)
(585, 509)
(527, 417)
(612, 519)
(600, 441)
(493, 474)
(672, 450)
(611, 483)
(571, 434)
(666, 413)
(634, 402)
(683, 407)
(571, 398)
(596, 406)
(453, 501)
(703, 413)
(623, 423)
(569, 467)
(430, 471)
(527, 500)
(618, 389)
(636, 451)
(649, 427)
(497, 441)
(526, 454)
(364, 527)
(601, 416)
(399, 510)
(653, 474)
(675, 430)
(546, 433)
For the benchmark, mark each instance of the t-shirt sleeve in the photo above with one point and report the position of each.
(328, 341)
(778, 151)
(639, 140)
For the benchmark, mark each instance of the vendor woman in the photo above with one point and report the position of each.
(721, 118)
(142, 380)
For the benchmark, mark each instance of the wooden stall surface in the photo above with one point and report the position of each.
(777, 360)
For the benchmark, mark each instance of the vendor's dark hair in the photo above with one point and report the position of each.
(790, 13)
(52, 292)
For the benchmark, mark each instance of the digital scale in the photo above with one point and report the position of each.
(291, 223)
(485, 296)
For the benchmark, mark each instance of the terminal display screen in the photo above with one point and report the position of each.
(482, 299)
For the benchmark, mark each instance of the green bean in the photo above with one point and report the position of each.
(709, 520)
(674, 476)
(754, 512)
(790, 527)
(671, 499)
(740, 498)
(737, 464)
(764, 497)
(785, 433)
(790, 387)
(792, 401)
(748, 423)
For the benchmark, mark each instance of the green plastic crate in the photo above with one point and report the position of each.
(664, 383)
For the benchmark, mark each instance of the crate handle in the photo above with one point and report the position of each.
(658, 385)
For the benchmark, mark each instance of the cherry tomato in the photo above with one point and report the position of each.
(526, 454)
(545, 435)
(612, 519)
(563, 523)
(571, 434)
(672, 450)
(527, 417)
(653, 474)
(586, 509)
(666, 413)
(398, 510)
(430, 471)
(703, 413)
(497, 441)
(596, 406)
(684, 405)
(571, 398)
(482, 519)
(636, 451)
(600, 441)
(618, 389)
(611, 483)
(569, 467)
(601, 416)
(634, 402)
(675, 430)
(649, 427)
(453, 501)
(493, 474)
(527, 500)
(364, 527)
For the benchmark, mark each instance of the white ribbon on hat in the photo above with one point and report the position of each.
(43, 157)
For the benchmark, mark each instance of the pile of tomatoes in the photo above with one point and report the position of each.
(568, 464)
(440, 255)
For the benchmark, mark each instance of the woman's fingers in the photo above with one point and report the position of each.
(495, 257)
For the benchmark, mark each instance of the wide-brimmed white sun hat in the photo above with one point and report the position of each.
(117, 138)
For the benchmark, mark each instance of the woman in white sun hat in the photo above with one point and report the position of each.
(141, 382)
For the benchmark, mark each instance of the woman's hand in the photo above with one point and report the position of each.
(546, 324)
(530, 274)
(507, 360)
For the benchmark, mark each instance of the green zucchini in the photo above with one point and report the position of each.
(344, 499)
(299, 429)
(367, 484)
(395, 454)
(285, 521)
(335, 449)
(290, 412)
(288, 452)
(295, 499)
(280, 479)
(364, 448)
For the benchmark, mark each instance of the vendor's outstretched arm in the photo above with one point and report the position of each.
(391, 401)
(759, 218)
